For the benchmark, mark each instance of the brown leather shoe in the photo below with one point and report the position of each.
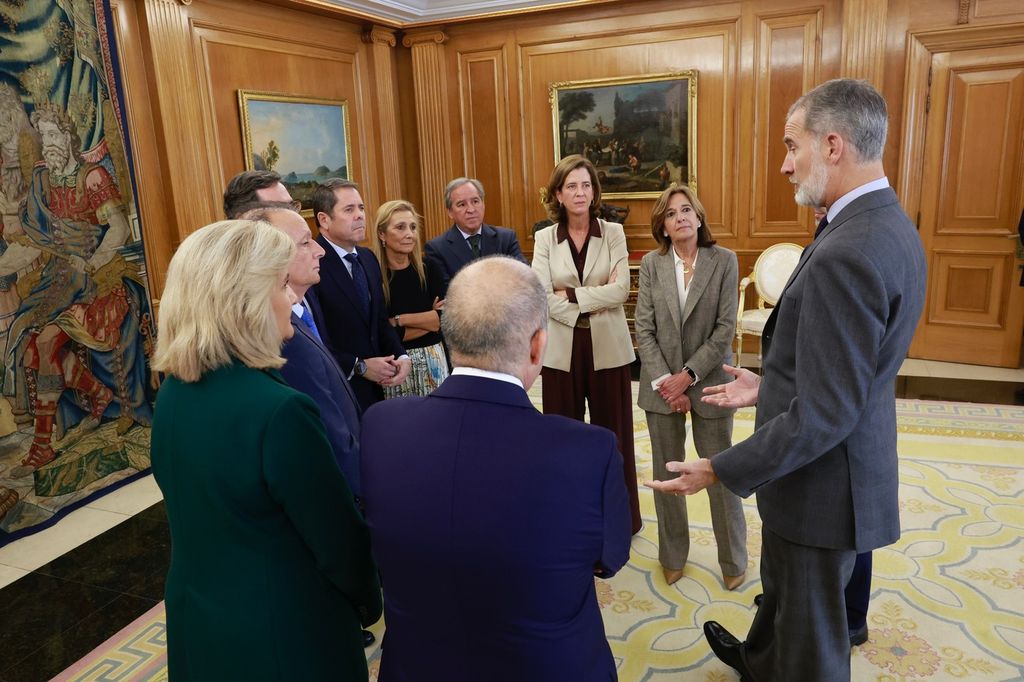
(733, 581)
(672, 575)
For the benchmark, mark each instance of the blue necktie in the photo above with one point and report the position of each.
(307, 317)
(362, 284)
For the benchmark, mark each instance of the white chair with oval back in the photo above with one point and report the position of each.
(771, 272)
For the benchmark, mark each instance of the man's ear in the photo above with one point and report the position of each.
(538, 342)
(835, 145)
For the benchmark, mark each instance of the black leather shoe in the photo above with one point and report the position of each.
(368, 638)
(726, 647)
(758, 599)
(859, 636)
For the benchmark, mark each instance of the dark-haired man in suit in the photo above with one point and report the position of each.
(469, 237)
(351, 295)
(823, 458)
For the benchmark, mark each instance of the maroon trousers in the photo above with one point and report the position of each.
(609, 395)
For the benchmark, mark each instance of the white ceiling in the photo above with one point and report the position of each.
(420, 11)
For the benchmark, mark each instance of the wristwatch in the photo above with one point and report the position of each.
(359, 368)
(693, 375)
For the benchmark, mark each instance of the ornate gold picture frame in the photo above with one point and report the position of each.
(305, 139)
(640, 132)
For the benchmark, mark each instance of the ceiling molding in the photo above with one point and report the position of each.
(412, 13)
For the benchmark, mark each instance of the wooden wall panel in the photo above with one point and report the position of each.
(787, 66)
(484, 112)
(974, 195)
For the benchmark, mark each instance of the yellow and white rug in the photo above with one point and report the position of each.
(947, 599)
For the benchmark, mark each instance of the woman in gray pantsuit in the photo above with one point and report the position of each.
(685, 321)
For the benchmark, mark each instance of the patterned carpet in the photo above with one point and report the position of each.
(947, 599)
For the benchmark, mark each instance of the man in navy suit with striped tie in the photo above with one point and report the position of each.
(310, 367)
(351, 295)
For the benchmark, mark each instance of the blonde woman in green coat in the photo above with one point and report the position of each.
(271, 576)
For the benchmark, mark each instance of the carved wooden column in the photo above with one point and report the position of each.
(430, 85)
(181, 114)
(864, 40)
(383, 42)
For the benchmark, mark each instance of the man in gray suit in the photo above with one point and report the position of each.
(823, 458)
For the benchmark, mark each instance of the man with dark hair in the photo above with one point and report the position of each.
(823, 458)
(250, 188)
(472, 485)
(469, 237)
(351, 294)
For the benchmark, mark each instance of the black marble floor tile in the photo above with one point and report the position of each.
(61, 648)
(157, 512)
(36, 607)
(130, 558)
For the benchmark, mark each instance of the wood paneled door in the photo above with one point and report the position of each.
(972, 195)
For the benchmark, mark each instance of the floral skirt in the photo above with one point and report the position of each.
(429, 369)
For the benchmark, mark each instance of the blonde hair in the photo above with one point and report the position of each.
(385, 213)
(216, 303)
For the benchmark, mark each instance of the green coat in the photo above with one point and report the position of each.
(270, 574)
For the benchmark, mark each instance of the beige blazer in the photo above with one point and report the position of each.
(553, 263)
(699, 337)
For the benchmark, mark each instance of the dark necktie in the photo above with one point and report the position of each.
(362, 284)
(307, 318)
(821, 226)
(474, 244)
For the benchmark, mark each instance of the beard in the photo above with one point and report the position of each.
(56, 158)
(811, 192)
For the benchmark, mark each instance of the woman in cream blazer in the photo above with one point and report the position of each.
(685, 322)
(583, 262)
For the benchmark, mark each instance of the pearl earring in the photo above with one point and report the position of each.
(664, 233)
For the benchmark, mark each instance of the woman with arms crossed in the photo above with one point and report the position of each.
(583, 262)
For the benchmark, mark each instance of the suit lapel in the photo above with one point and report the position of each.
(707, 261)
(488, 240)
(459, 247)
(337, 271)
(301, 328)
(564, 254)
(594, 249)
(665, 266)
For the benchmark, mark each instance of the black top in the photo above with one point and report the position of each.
(409, 296)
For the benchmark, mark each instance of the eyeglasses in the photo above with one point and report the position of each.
(296, 205)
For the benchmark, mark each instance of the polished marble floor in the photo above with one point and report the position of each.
(68, 588)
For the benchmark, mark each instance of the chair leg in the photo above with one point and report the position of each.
(739, 349)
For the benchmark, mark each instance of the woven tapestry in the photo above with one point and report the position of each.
(76, 329)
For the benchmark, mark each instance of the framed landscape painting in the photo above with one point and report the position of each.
(639, 132)
(305, 140)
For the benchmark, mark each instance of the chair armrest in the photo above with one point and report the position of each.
(744, 283)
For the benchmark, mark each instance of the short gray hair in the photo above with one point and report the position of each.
(494, 307)
(459, 182)
(852, 108)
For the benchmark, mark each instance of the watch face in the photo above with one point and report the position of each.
(361, 368)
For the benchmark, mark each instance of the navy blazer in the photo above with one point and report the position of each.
(450, 252)
(823, 458)
(311, 370)
(348, 333)
(488, 521)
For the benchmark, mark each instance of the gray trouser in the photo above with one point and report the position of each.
(799, 631)
(668, 443)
